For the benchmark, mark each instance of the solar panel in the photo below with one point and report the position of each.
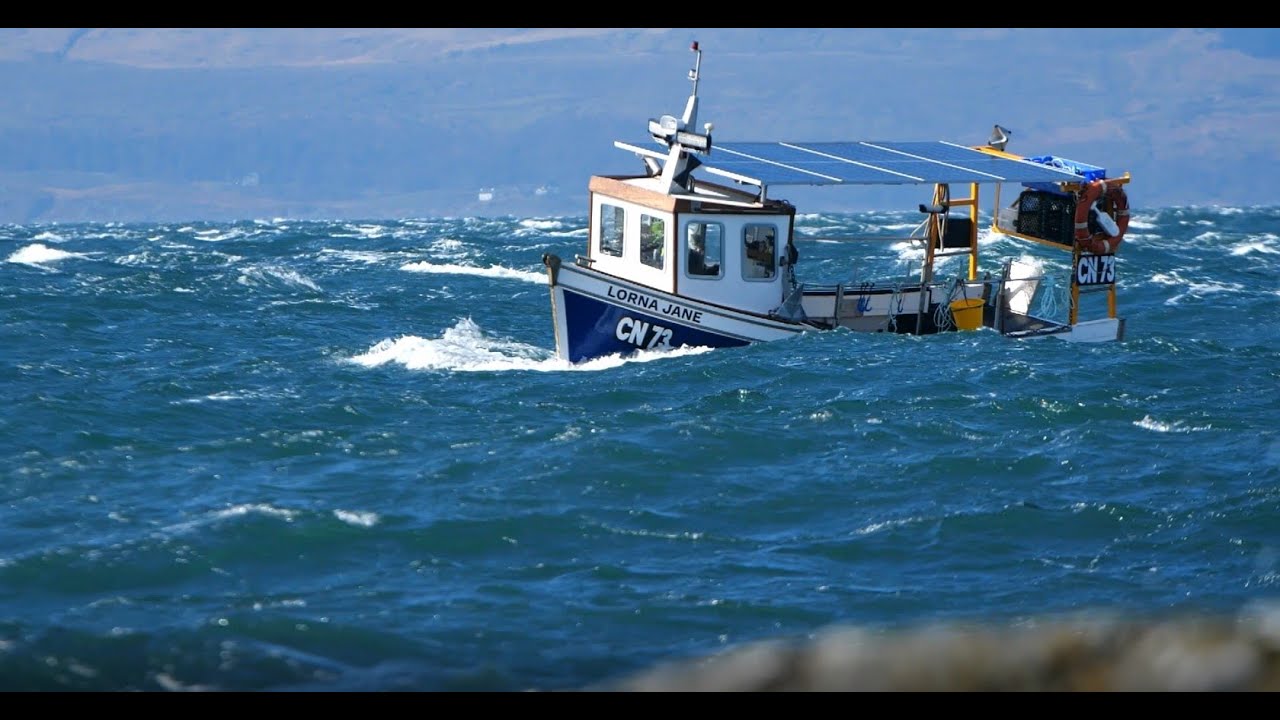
(872, 163)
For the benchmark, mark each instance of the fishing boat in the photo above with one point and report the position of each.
(692, 250)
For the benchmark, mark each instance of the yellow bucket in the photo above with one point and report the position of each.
(967, 313)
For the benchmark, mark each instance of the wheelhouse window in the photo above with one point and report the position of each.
(759, 252)
(612, 223)
(705, 242)
(653, 239)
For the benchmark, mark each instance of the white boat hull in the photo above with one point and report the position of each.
(596, 314)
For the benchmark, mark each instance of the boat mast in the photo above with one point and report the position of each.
(680, 136)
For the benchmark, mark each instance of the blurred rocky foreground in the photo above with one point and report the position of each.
(1087, 653)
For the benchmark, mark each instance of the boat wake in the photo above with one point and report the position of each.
(465, 348)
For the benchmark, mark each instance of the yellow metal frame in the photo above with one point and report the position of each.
(941, 196)
(941, 193)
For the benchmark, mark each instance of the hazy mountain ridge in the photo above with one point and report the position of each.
(226, 48)
(153, 124)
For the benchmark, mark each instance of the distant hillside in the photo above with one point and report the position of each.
(154, 124)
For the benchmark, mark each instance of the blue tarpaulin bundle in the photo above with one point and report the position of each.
(1088, 172)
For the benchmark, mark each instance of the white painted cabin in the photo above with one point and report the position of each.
(641, 234)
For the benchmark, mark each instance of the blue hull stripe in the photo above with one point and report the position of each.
(596, 328)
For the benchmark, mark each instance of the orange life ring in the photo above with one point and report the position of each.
(1101, 243)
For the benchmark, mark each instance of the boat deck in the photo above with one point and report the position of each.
(1023, 325)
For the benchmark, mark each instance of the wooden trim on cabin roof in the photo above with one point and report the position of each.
(731, 193)
(616, 187)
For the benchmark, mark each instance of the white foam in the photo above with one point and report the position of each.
(235, 511)
(1150, 423)
(363, 519)
(254, 276)
(493, 271)
(542, 224)
(368, 257)
(448, 246)
(1266, 243)
(371, 231)
(215, 235)
(40, 254)
(1192, 288)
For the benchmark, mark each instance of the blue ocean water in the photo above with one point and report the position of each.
(283, 455)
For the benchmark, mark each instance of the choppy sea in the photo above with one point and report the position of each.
(311, 456)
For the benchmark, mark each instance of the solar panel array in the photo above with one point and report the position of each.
(873, 163)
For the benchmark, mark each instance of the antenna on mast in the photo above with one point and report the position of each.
(697, 63)
(691, 107)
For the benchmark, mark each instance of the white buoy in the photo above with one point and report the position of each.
(1105, 221)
